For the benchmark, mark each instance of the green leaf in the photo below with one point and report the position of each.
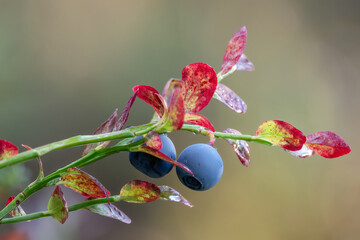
(57, 206)
(281, 134)
(138, 191)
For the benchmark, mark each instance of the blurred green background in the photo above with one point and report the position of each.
(66, 65)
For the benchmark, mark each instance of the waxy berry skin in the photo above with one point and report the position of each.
(205, 163)
(153, 166)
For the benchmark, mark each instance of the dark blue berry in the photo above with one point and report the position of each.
(153, 166)
(205, 163)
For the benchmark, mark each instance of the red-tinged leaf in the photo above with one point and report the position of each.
(7, 149)
(153, 140)
(197, 119)
(57, 206)
(327, 144)
(244, 64)
(240, 147)
(83, 183)
(304, 152)
(176, 112)
(138, 191)
(105, 127)
(111, 211)
(199, 82)
(162, 156)
(151, 96)
(170, 194)
(234, 50)
(169, 89)
(225, 95)
(281, 134)
(18, 211)
(125, 113)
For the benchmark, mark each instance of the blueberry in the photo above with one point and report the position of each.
(205, 163)
(153, 166)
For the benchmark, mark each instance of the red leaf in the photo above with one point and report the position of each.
(281, 134)
(57, 205)
(153, 140)
(198, 86)
(111, 211)
(151, 96)
(241, 147)
(234, 50)
(162, 156)
(244, 64)
(7, 149)
(229, 98)
(197, 119)
(125, 113)
(176, 112)
(83, 183)
(170, 194)
(327, 144)
(138, 191)
(105, 127)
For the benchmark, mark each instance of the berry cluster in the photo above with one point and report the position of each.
(202, 159)
(151, 151)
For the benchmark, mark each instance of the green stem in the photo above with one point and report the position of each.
(71, 208)
(76, 141)
(81, 162)
(249, 138)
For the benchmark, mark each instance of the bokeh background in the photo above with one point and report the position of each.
(66, 65)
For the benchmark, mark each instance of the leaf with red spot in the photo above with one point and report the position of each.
(199, 83)
(281, 134)
(176, 112)
(105, 127)
(244, 64)
(17, 211)
(83, 183)
(125, 113)
(162, 156)
(152, 97)
(57, 206)
(304, 152)
(327, 144)
(234, 50)
(240, 147)
(225, 95)
(153, 140)
(197, 119)
(138, 191)
(170, 194)
(111, 211)
(7, 149)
